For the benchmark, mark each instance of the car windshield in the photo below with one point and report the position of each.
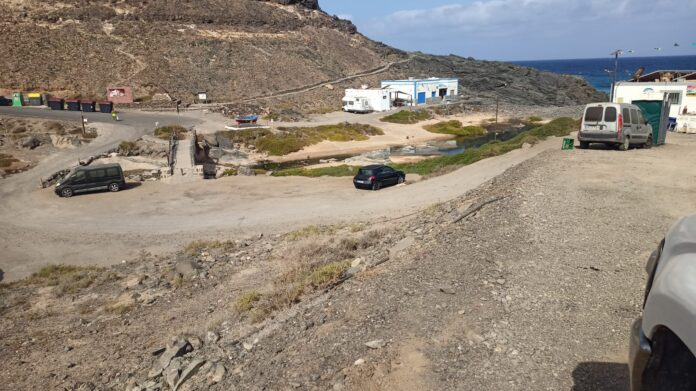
(69, 175)
(365, 172)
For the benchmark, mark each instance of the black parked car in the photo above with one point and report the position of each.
(377, 176)
(88, 178)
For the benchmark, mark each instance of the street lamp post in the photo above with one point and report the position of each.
(616, 53)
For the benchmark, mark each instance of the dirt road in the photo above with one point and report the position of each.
(105, 228)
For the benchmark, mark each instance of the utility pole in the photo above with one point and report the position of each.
(84, 131)
(616, 54)
(497, 100)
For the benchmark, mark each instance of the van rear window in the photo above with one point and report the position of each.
(594, 114)
(113, 171)
(610, 114)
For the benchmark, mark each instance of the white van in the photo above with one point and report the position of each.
(619, 124)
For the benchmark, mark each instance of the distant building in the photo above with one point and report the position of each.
(365, 100)
(119, 94)
(422, 91)
(680, 87)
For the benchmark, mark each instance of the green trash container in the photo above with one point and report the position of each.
(657, 114)
(17, 99)
(568, 144)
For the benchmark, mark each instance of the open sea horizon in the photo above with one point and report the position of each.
(599, 71)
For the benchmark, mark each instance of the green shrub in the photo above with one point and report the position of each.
(292, 139)
(165, 132)
(336, 171)
(328, 274)
(407, 117)
(127, 147)
(246, 301)
(556, 128)
(456, 128)
(534, 118)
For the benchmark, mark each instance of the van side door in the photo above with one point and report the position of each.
(98, 179)
(79, 181)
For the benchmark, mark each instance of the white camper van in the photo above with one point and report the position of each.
(366, 100)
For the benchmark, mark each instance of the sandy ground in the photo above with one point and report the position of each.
(106, 228)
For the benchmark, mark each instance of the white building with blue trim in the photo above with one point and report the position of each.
(422, 91)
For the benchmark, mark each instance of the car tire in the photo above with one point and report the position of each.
(66, 192)
(584, 144)
(648, 143)
(400, 180)
(114, 187)
(376, 185)
(670, 366)
(625, 144)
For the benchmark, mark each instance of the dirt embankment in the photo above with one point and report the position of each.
(528, 282)
(24, 142)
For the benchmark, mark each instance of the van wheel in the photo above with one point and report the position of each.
(376, 185)
(66, 192)
(400, 180)
(648, 143)
(114, 187)
(625, 144)
(584, 144)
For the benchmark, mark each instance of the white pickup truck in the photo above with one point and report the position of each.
(663, 341)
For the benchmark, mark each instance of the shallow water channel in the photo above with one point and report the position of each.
(438, 148)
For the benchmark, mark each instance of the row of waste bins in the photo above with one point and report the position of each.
(35, 99)
(86, 105)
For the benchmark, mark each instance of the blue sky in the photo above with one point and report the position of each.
(526, 29)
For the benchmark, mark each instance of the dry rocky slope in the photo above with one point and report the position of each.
(235, 49)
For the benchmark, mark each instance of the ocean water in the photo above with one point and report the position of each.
(595, 70)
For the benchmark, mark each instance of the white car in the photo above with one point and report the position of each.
(663, 342)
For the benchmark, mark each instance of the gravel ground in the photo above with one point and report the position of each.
(534, 291)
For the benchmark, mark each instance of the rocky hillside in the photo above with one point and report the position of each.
(234, 49)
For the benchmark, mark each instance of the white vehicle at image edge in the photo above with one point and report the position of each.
(663, 343)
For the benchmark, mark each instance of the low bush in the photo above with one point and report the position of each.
(127, 147)
(7, 160)
(455, 128)
(293, 139)
(70, 279)
(165, 132)
(407, 117)
(246, 301)
(199, 246)
(556, 128)
(338, 171)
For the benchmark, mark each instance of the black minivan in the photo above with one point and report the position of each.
(88, 178)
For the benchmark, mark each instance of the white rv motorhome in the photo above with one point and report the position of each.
(366, 100)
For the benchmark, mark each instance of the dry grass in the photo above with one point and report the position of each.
(328, 274)
(246, 301)
(70, 279)
(199, 246)
(119, 309)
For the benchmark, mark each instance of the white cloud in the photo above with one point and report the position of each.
(510, 17)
